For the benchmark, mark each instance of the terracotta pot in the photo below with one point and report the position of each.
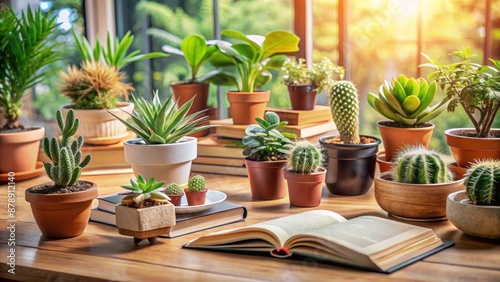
(266, 179)
(183, 91)
(351, 167)
(303, 97)
(19, 150)
(383, 164)
(475, 220)
(167, 162)
(196, 198)
(175, 199)
(466, 150)
(246, 106)
(62, 215)
(99, 127)
(414, 201)
(304, 190)
(458, 171)
(394, 138)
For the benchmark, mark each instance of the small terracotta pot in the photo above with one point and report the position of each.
(383, 164)
(304, 190)
(62, 215)
(19, 150)
(246, 106)
(266, 179)
(196, 198)
(183, 91)
(466, 150)
(302, 97)
(175, 199)
(458, 171)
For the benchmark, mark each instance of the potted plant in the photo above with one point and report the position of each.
(351, 157)
(267, 154)
(417, 185)
(476, 88)
(304, 83)
(62, 209)
(25, 50)
(305, 175)
(196, 192)
(252, 57)
(476, 211)
(146, 213)
(162, 150)
(97, 86)
(406, 102)
(175, 192)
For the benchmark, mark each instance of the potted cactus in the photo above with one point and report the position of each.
(351, 157)
(146, 213)
(196, 191)
(476, 211)
(417, 185)
(175, 192)
(406, 102)
(305, 175)
(267, 154)
(62, 208)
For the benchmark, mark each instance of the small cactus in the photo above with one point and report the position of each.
(419, 165)
(174, 189)
(196, 183)
(66, 157)
(305, 157)
(344, 105)
(483, 183)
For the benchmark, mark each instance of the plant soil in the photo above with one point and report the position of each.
(17, 129)
(52, 189)
(473, 134)
(279, 157)
(399, 125)
(362, 140)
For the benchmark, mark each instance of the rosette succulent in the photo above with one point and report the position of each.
(143, 190)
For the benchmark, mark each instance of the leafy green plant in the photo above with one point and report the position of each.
(25, 50)
(483, 182)
(321, 75)
(196, 183)
(163, 123)
(263, 140)
(406, 101)
(345, 111)
(474, 86)
(143, 190)
(252, 58)
(174, 189)
(66, 157)
(305, 157)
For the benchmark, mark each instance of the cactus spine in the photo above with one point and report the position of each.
(174, 189)
(419, 165)
(305, 157)
(483, 183)
(66, 157)
(196, 183)
(345, 111)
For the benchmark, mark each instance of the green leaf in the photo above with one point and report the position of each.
(280, 42)
(272, 118)
(238, 35)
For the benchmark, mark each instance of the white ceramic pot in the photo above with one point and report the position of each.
(166, 162)
(99, 127)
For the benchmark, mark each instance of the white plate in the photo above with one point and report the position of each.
(213, 198)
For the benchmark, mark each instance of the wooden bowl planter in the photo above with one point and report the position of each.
(414, 201)
(19, 150)
(475, 220)
(302, 97)
(62, 215)
(266, 179)
(466, 150)
(304, 190)
(246, 106)
(183, 92)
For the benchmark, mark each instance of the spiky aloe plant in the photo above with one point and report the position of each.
(305, 157)
(344, 105)
(143, 190)
(196, 183)
(66, 157)
(416, 164)
(483, 183)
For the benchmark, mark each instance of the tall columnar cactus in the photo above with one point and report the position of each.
(483, 183)
(345, 111)
(66, 156)
(305, 157)
(419, 165)
(196, 183)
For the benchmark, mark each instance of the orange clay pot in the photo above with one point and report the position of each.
(466, 150)
(266, 179)
(304, 190)
(183, 91)
(246, 106)
(19, 150)
(196, 198)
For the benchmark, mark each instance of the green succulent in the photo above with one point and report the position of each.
(265, 142)
(406, 101)
(174, 189)
(143, 190)
(483, 183)
(305, 157)
(163, 123)
(66, 156)
(345, 111)
(196, 183)
(321, 75)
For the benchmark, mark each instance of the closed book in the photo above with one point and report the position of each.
(213, 146)
(220, 169)
(302, 117)
(238, 162)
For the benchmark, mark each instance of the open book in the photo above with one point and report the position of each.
(367, 242)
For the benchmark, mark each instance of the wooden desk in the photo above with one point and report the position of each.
(103, 254)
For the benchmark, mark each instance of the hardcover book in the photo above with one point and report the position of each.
(366, 242)
(212, 146)
(301, 117)
(220, 169)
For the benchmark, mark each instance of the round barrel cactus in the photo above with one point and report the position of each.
(196, 183)
(483, 183)
(305, 157)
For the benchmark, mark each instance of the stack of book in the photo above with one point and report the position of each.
(222, 152)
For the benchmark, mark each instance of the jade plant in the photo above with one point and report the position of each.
(145, 193)
(416, 164)
(66, 156)
(305, 157)
(196, 183)
(483, 183)
(345, 111)
(263, 140)
(321, 75)
(407, 101)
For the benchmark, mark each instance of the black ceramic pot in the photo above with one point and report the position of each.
(350, 167)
